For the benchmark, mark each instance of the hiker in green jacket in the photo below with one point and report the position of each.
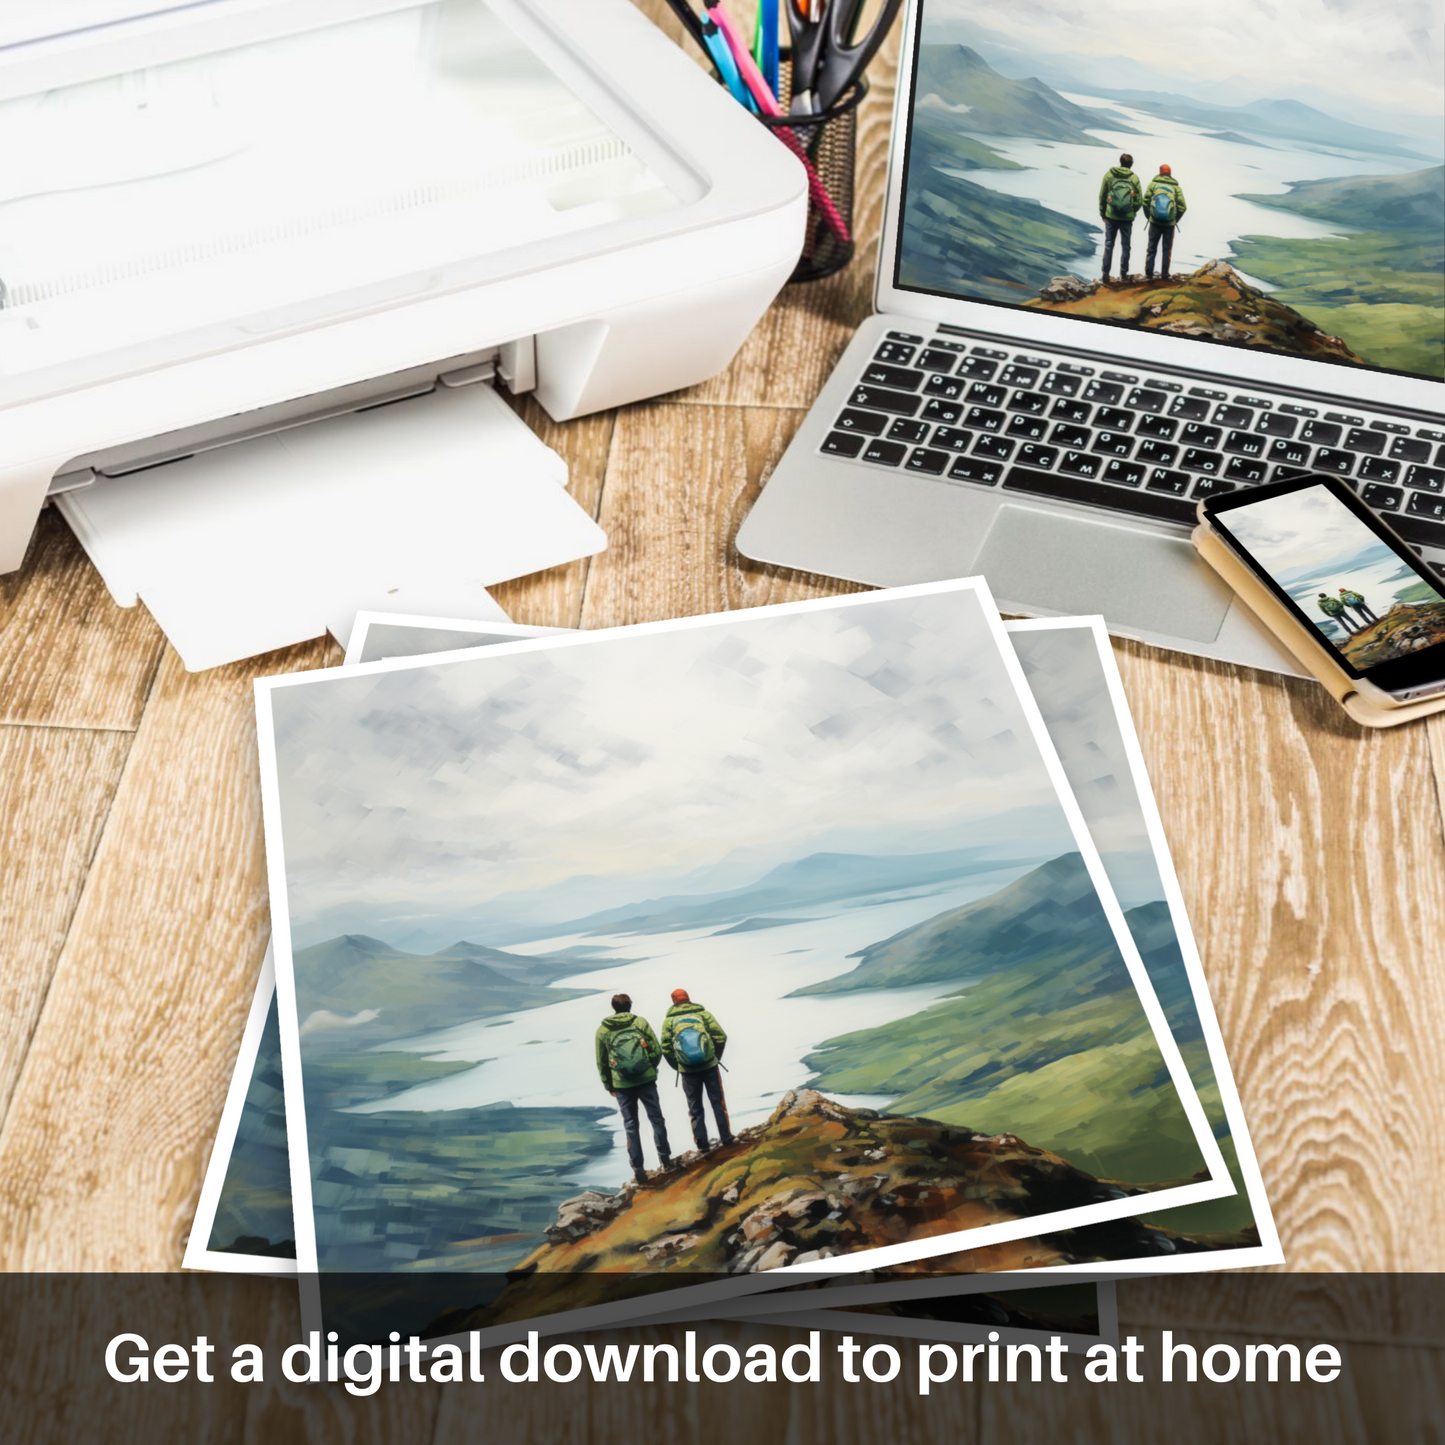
(1334, 609)
(1119, 202)
(1356, 600)
(693, 1043)
(627, 1057)
(1163, 208)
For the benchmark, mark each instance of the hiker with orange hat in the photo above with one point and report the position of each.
(693, 1042)
(1356, 601)
(1163, 208)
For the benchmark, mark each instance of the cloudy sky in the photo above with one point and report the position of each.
(888, 727)
(1382, 53)
(1301, 530)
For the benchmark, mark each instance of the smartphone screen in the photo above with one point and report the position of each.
(1371, 602)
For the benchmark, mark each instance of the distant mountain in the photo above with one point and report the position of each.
(1239, 140)
(996, 105)
(754, 925)
(1413, 202)
(1054, 910)
(353, 975)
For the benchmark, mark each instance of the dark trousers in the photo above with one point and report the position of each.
(628, 1101)
(1363, 608)
(694, 1086)
(1124, 231)
(1159, 234)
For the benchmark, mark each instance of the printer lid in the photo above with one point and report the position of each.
(182, 178)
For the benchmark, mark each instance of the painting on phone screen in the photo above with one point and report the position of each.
(1366, 602)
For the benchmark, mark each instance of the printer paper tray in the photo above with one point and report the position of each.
(417, 506)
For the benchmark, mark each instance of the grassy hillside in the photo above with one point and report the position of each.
(1411, 202)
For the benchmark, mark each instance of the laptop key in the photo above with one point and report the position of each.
(895, 353)
(1081, 464)
(1407, 449)
(1015, 375)
(1419, 530)
(1059, 383)
(1107, 392)
(1344, 418)
(1377, 469)
(945, 411)
(1235, 416)
(1112, 444)
(981, 419)
(1040, 457)
(1423, 504)
(1196, 459)
(1070, 436)
(982, 394)
(877, 374)
(1329, 459)
(1272, 424)
(933, 359)
(1144, 398)
(1113, 418)
(933, 463)
(948, 387)
(867, 422)
(1124, 474)
(1073, 488)
(1425, 479)
(906, 430)
(905, 336)
(1163, 480)
(1244, 444)
(1195, 435)
(1381, 498)
(978, 368)
(1322, 433)
(1030, 427)
(843, 444)
(886, 454)
(1035, 403)
(1212, 486)
(989, 351)
(1372, 443)
(971, 469)
(1240, 469)
(1289, 453)
(1080, 411)
(1156, 426)
(1189, 408)
(997, 448)
(1156, 454)
(955, 439)
(878, 398)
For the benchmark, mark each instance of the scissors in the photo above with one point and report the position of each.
(827, 54)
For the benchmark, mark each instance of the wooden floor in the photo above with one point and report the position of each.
(133, 907)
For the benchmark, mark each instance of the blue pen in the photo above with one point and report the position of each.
(768, 49)
(727, 67)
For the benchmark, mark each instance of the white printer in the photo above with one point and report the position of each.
(226, 223)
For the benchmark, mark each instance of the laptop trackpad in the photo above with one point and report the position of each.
(1040, 559)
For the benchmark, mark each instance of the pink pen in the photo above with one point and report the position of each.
(768, 105)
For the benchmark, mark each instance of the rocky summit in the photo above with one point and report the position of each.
(817, 1180)
(1213, 303)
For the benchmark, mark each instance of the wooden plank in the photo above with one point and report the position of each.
(56, 786)
(707, 1413)
(69, 657)
(554, 598)
(1347, 1411)
(679, 482)
(116, 1105)
(1311, 858)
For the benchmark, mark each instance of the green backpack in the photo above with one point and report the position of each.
(628, 1057)
(1121, 199)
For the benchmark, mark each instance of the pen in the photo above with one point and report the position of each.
(718, 45)
(765, 42)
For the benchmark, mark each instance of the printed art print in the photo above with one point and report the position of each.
(546, 827)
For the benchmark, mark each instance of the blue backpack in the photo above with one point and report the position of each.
(1163, 207)
(693, 1044)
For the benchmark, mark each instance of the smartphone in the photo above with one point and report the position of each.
(1362, 592)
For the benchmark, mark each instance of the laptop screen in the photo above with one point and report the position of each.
(1266, 176)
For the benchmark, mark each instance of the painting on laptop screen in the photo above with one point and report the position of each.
(1267, 176)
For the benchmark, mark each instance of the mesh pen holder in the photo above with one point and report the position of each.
(827, 142)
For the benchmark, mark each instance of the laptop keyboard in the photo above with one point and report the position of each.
(1140, 444)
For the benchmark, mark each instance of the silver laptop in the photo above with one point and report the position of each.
(1003, 413)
